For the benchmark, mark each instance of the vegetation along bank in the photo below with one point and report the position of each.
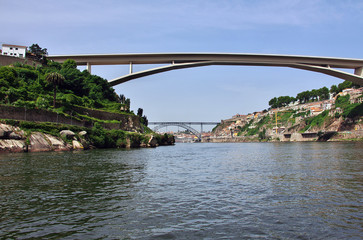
(56, 107)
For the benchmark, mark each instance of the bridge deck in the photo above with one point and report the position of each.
(168, 58)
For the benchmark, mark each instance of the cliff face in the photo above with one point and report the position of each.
(290, 126)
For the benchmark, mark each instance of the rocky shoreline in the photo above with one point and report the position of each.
(15, 140)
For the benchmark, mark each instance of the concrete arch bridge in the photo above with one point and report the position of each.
(326, 65)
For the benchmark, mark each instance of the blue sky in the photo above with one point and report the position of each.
(319, 28)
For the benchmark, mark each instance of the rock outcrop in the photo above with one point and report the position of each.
(12, 139)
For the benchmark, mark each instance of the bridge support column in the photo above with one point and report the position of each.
(201, 131)
(358, 71)
(130, 68)
(89, 67)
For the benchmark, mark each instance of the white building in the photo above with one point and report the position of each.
(14, 50)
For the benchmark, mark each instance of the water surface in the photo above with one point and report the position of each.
(186, 191)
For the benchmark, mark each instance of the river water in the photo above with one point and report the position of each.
(186, 191)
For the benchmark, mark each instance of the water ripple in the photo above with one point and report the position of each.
(187, 191)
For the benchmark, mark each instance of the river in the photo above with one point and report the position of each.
(186, 191)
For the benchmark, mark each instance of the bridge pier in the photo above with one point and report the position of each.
(131, 70)
(89, 67)
(358, 71)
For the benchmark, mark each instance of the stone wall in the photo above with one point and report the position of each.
(38, 115)
(7, 60)
(127, 122)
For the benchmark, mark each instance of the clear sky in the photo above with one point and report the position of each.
(297, 27)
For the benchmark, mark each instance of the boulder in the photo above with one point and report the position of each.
(57, 144)
(15, 136)
(77, 145)
(153, 142)
(9, 145)
(67, 133)
(82, 133)
(38, 143)
(5, 130)
(2, 133)
(85, 144)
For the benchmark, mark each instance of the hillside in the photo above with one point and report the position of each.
(340, 117)
(54, 97)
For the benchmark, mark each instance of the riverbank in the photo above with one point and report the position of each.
(332, 136)
(21, 136)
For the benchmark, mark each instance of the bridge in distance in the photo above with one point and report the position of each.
(327, 65)
(185, 125)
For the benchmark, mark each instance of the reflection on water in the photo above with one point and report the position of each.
(187, 191)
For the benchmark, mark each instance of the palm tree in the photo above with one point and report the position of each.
(56, 79)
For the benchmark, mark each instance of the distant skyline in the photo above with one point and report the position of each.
(329, 28)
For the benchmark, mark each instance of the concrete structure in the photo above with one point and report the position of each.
(325, 65)
(14, 50)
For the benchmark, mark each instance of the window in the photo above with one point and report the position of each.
(16, 48)
(11, 53)
(11, 48)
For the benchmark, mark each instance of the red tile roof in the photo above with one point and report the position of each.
(10, 45)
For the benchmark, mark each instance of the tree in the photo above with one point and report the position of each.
(139, 112)
(56, 79)
(273, 102)
(128, 104)
(334, 89)
(314, 94)
(145, 120)
(37, 52)
(323, 93)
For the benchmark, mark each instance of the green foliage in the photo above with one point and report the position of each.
(252, 131)
(216, 127)
(43, 101)
(71, 99)
(302, 97)
(50, 128)
(262, 135)
(300, 114)
(37, 50)
(317, 120)
(342, 101)
(281, 101)
(353, 110)
(285, 117)
(27, 83)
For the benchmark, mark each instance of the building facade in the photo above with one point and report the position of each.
(14, 50)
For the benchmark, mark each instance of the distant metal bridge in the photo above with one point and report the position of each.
(185, 125)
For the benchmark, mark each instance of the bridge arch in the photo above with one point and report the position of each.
(182, 125)
(357, 79)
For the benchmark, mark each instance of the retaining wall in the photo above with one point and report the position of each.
(127, 122)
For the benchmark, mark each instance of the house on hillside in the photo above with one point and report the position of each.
(14, 50)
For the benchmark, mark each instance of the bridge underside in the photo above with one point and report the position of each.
(357, 79)
(325, 65)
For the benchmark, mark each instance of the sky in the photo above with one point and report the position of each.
(331, 28)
